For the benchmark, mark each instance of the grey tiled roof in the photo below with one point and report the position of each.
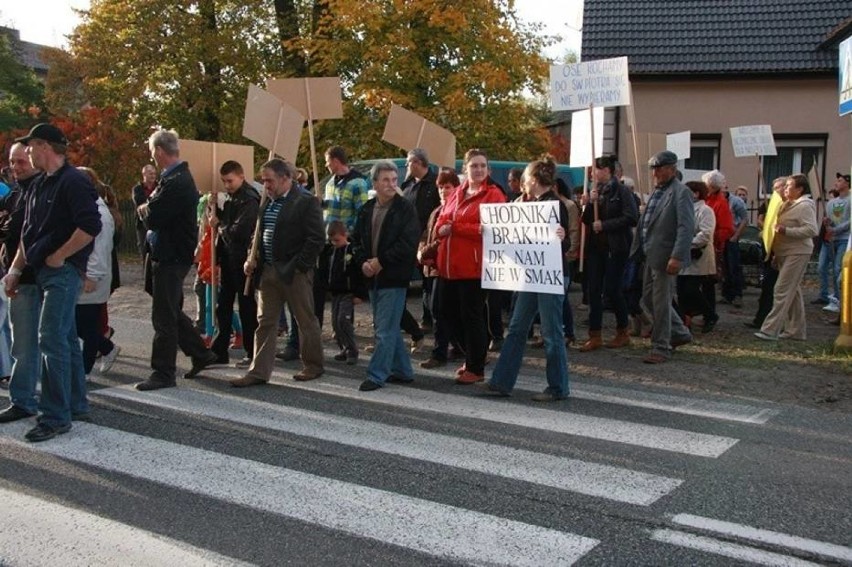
(29, 54)
(679, 37)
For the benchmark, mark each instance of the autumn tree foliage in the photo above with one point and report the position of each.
(97, 138)
(21, 93)
(463, 64)
(186, 64)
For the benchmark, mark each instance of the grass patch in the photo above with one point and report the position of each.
(764, 355)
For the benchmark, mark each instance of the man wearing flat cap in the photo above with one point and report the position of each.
(61, 220)
(663, 239)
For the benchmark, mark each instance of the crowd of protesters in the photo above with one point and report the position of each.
(282, 250)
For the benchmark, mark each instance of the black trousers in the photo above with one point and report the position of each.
(691, 298)
(767, 293)
(172, 328)
(88, 318)
(464, 312)
(232, 285)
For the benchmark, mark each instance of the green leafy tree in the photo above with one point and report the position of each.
(177, 63)
(21, 93)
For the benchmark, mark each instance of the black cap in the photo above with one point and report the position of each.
(46, 132)
(844, 176)
(663, 158)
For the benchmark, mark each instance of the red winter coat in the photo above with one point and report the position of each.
(460, 252)
(724, 219)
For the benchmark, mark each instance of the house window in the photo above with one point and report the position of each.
(704, 152)
(795, 155)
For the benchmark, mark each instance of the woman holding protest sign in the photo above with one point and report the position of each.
(460, 264)
(539, 182)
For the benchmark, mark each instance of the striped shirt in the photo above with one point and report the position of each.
(270, 216)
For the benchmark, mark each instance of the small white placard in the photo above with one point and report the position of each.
(581, 137)
(679, 143)
(753, 141)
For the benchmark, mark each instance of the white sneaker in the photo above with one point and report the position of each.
(108, 359)
(833, 305)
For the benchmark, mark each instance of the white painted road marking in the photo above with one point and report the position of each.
(649, 436)
(726, 549)
(765, 536)
(549, 470)
(428, 527)
(72, 537)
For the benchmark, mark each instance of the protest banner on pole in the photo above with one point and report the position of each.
(679, 143)
(581, 140)
(754, 140)
(273, 124)
(603, 83)
(521, 251)
(315, 98)
(409, 130)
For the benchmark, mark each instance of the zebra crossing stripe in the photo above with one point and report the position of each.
(440, 530)
(592, 479)
(727, 549)
(606, 429)
(78, 538)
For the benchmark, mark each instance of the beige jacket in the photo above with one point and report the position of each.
(799, 220)
(705, 226)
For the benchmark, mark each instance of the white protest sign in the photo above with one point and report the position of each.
(753, 140)
(845, 76)
(521, 251)
(679, 144)
(581, 137)
(600, 83)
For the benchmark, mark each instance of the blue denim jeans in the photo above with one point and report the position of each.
(527, 304)
(24, 315)
(63, 382)
(5, 338)
(390, 356)
(830, 267)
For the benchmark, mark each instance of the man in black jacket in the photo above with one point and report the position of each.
(173, 234)
(235, 228)
(385, 245)
(291, 239)
(60, 223)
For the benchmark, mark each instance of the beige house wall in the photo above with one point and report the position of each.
(712, 107)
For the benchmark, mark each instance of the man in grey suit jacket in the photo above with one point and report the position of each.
(663, 239)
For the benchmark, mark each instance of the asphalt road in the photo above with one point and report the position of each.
(431, 473)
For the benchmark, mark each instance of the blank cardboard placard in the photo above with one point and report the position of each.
(409, 130)
(679, 143)
(326, 100)
(754, 140)
(205, 158)
(581, 137)
(262, 125)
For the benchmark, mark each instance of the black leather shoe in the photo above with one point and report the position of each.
(199, 364)
(150, 384)
(13, 413)
(396, 379)
(43, 432)
(368, 386)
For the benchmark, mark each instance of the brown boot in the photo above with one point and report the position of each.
(621, 339)
(594, 343)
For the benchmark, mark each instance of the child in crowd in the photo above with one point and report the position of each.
(342, 278)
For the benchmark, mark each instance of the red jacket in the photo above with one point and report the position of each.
(724, 219)
(460, 252)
